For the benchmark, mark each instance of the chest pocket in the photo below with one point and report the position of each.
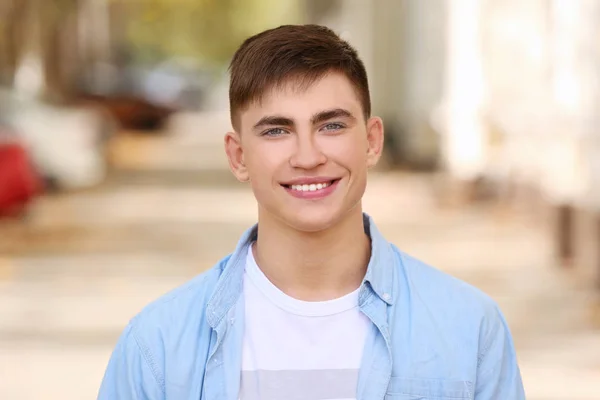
(428, 389)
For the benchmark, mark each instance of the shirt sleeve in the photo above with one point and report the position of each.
(131, 373)
(498, 374)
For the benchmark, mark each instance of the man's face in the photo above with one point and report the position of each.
(306, 152)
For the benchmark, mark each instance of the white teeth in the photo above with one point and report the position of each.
(310, 188)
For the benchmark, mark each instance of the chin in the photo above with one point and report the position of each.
(312, 221)
(310, 226)
(307, 216)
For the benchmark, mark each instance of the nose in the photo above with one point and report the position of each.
(307, 154)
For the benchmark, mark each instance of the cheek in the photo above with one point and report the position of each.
(348, 151)
(265, 162)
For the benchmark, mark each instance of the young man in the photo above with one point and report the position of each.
(313, 303)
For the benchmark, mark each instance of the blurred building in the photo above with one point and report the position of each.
(500, 91)
(402, 46)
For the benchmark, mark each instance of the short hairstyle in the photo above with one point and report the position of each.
(301, 53)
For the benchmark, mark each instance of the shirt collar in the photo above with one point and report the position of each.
(379, 276)
(380, 270)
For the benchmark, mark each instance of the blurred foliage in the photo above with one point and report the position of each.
(205, 30)
(139, 32)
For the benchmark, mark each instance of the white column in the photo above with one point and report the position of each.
(590, 147)
(566, 177)
(463, 135)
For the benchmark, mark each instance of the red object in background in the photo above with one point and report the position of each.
(19, 183)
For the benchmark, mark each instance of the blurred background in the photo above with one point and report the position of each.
(114, 186)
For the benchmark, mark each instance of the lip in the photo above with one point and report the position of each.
(308, 180)
(312, 195)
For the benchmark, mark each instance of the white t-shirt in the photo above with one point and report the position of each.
(295, 349)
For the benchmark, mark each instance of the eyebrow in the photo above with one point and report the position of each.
(271, 120)
(278, 120)
(331, 114)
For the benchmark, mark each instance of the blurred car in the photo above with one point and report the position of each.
(143, 98)
(19, 182)
(67, 144)
(180, 83)
(129, 111)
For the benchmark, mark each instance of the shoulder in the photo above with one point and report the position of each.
(181, 307)
(448, 327)
(442, 293)
(172, 331)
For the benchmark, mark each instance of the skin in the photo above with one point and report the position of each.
(311, 249)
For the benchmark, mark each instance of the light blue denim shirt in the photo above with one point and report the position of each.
(432, 336)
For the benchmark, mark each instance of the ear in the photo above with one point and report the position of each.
(375, 140)
(235, 156)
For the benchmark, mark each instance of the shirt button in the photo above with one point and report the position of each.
(386, 296)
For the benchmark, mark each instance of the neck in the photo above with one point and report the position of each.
(314, 266)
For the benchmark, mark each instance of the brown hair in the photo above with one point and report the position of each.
(303, 53)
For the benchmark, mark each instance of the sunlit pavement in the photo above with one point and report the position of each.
(84, 263)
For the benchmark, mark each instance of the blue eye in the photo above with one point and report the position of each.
(334, 126)
(274, 132)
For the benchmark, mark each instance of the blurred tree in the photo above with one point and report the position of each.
(42, 30)
(64, 36)
(59, 46)
(207, 30)
(12, 15)
(318, 10)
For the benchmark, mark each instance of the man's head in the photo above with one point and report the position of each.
(304, 138)
(299, 53)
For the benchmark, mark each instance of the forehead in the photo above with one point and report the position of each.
(291, 100)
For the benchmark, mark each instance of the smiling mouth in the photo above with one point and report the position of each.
(312, 187)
